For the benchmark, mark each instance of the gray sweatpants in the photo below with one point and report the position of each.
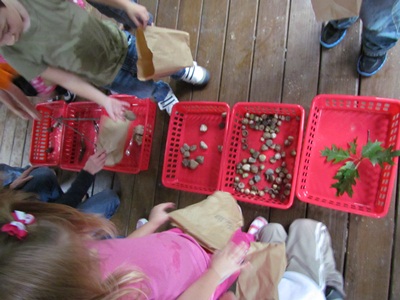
(308, 250)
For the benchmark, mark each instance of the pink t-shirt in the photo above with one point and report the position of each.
(172, 261)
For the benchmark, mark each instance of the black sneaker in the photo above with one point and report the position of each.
(69, 97)
(331, 37)
(332, 294)
(370, 65)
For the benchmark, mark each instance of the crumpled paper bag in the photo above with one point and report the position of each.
(161, 52)
(212, 221)
(326, 10)
(260, 279)
(112, 138)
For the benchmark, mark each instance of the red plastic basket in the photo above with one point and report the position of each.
(80, 134)
(292, 125)
(339, 119)
(77, 148)
(46, 134)
(139, 157)
(184, 127)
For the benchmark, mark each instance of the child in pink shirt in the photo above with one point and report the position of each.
(51, 251)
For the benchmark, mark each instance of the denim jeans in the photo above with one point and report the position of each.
(381, 25)
(45, 184)
(126, 81)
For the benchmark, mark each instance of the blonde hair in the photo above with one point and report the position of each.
(52, 261)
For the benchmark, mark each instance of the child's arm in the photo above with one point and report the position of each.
(18, 103)
(115, 108)
(138, 13)
(224, 263)
(158, 216)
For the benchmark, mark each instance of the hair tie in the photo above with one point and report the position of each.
(17, 227)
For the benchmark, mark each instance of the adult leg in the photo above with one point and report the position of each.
(105, 203)
(44, 183)
(272, 233)
(381, 21)
(9, 174)
(309, 252)
(381, 25)
(335, 31)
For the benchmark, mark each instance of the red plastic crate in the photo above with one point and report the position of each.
(46, 134)
(184, 127)
(339, 119)
(80, 134)
(233, 152)
(73, 158)
(139, 158)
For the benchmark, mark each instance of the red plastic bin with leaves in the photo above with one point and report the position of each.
(184, 131)
(45, 149)
(245, 142)
(339, 120)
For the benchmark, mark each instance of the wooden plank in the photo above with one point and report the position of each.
(394, 286)
(27, 146)
(301, 77)
(8, 137)
(238, 60)
(270, 51)
(122, 217)
(368, 269)
(3, 125)
(19, 142)
(212, 36)
(337, 76)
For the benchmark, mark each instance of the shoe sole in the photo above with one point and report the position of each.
(369, 74)
(329, 46)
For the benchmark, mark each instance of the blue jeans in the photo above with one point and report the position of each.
(126, 81)
(45, 184)
(381, 25)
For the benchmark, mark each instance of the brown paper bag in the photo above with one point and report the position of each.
(260, 279)
(112, 137)
(212, 221)
(161, 52)
(326, 10)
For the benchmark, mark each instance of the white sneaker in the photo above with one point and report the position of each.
(141, 222)
(169, 101)
(196, 75)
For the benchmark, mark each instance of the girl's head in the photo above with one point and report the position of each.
(51, 261)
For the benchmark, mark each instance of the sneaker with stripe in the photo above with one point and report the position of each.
(196, 75)
(256, 226)
(169, 101)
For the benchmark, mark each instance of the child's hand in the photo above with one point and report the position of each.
(22, 179)
(138, 14)
(116, 108)
(229, 260)
(158, 214)
(95, 162)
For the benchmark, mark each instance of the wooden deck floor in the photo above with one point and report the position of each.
(260, 51)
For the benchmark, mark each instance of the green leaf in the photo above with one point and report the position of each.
(335, 154)
(353, 146)
(346, 179)
(378, 155)
(371, 150)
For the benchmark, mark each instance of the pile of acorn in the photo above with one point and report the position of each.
(265, 170)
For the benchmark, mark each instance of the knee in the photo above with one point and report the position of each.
(272, 233)
(43, 175)
(303, 226)
(111, 196)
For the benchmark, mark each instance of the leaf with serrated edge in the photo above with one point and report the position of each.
(346, 179)
(335, 154)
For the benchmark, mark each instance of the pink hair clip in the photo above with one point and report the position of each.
(17, 227)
